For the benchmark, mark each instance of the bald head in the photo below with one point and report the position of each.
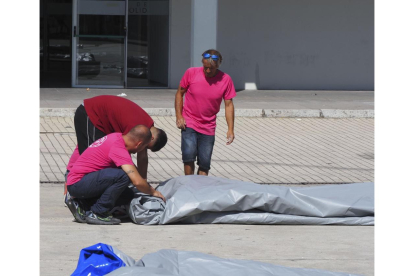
(137, 138)
(140, 133)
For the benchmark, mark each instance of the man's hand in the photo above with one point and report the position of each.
(229, 111)
(230, 137)
(180, 122)
(142, 163)
(179, 101)
(158, 194)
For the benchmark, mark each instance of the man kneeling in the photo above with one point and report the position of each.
(104, 172)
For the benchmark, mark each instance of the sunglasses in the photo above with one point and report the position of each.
(213, 57)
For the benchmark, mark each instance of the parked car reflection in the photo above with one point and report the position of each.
(137, 67)
(87, 65)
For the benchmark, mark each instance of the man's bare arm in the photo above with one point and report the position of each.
(140, 183)
(142, 163)
(229, 111)
(179, 100)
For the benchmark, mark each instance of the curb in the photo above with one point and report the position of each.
(265, 113)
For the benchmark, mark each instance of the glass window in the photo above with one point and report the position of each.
(148, 43)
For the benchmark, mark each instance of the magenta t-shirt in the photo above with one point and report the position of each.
(203, 98)
(107, 152)
(73, 158)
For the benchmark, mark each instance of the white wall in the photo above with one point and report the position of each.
(298, 44)
(180, 42)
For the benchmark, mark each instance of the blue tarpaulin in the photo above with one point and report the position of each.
(96, 260)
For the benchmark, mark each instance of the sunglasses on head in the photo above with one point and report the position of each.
(213, 57)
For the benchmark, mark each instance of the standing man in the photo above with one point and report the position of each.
(103, 172)
(102, 115)
(204, 88)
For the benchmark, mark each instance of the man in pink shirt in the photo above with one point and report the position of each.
(204, 88)
(105, 114)
(103, 172)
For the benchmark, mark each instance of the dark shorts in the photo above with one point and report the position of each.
(86, 132)
(197, 146)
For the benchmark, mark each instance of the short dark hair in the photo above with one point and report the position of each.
(161, 140)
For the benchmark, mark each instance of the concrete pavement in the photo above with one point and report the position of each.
(335, 248)
(249, 103)
(289, 147)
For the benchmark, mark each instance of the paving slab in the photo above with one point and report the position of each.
(266, 150)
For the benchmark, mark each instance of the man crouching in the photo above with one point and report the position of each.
(103, 172)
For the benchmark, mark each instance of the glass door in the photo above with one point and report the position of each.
(55, 43)
(148, 44)
(99, 43)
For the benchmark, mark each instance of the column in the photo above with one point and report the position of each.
(203, 28)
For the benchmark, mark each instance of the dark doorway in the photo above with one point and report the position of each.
(93, 46)
(55, 43)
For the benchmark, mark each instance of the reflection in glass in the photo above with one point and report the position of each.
(55, 43)
(100, 61)
(101, 43)
(102, 25)
(147, 49)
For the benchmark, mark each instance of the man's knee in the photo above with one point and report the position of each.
(189, 155)
(205, 151)
(124, 178)
(188, 145)
(118, 175)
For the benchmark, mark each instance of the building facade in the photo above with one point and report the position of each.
(266, 44)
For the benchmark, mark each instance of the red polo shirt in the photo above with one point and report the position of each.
(115, 114)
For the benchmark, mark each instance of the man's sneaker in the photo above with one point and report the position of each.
(77, 212)
(93, 218)
(66, 198)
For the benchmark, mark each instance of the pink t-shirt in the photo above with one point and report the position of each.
(107, 152)
(73, 158)
(203, 98)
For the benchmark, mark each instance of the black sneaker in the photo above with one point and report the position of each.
(77, 212)
(98, 219)
(66, 198)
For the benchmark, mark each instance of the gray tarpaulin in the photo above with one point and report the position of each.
(145, 209)
(187, 263)
(202, 199)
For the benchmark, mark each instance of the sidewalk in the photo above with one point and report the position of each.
(335, 248)
(248, 103)
(267, 150)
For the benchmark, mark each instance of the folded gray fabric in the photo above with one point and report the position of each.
(202, 199)
(188, 263)
(146, 209)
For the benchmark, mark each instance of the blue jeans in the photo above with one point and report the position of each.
(197, 146)
(102, 190)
